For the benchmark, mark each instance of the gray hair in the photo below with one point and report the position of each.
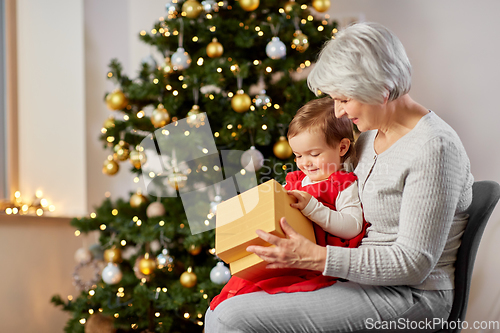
(365, 62)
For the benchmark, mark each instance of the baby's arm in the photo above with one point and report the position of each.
(345, 222)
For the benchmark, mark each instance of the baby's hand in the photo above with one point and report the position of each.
(302, 199)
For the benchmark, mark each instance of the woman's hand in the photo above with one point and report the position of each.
(295, 251)
(302, 199)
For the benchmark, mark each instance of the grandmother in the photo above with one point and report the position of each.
(415, 185)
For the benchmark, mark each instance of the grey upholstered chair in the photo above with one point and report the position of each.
(485, 195)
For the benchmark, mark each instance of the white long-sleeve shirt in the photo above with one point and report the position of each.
(345, 222)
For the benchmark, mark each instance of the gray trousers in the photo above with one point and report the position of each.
(342, 307)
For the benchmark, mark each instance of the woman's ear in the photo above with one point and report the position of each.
(344, 146)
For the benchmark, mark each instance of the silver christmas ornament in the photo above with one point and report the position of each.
(220, 274)
(276, 49)
(262, 99)
(180, 59)
(111, 274)
(252, 159)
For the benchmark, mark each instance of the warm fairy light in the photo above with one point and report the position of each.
(140, 114)
(230, 94)
(256, 62)
(181, 77)
(83, 321)
(123, 242)
(39, 212)
(186, 133)
(161, 223)
(257, 28)
(8, 211)
(304, 6)
(15, 210)
(205, 151)
(260, 33)
(269, 69)
(276, 106)
(152, 174)
(229, 126)
(205, 296)
(186, 315)
(161, 30)
(154, 31)
(77, 233)
(204, 168)
(216, 134)
(207, 222)
(209, 16)
(308, 63)
(284, 167)
(264, 127)
(103, 130)
(200, 323)
(93, 215)
(243, 172)
(52, 208)
(114, 212)
(200, 61)
(219, 70)
(165, 132)
(136, 179)
(164, 289)
(252, 108)
(211, 96)
(70, 297)
(155, 81)
(110, 138)
(175, 93)
(126, 117)
(116, 315)
(139, 223)
(233, 134)
(91, 311)
(17, 194)
(91, 292)
(135, 218)
(102, 227)
(143, 280)
(169, 87)
(182, 226)
(184, 86)
(39, 194)
(334, 31)
(310, 18)
(216, 168)
(195, 39)
(234, 68)
(212, 29)
(110, 74)
(157, 314)
(143, 33)
(321, 28)
(100, 310)
(303, 21)
(302, 65)
(281, 10)
(212, 251)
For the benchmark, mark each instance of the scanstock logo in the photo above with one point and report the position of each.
(181, 159)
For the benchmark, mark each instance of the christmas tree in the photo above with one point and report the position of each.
(235, 65)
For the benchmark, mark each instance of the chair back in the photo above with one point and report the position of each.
(485, 195)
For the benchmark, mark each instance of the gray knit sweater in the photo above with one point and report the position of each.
(414, 195)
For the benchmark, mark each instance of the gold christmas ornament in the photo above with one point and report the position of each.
(214, 49)
(289, 6)
(282, 149)
(109, 123)
(249, 5)
(116, 100)
(194, 249)
(192, 8)
(113, 255)
(160, 116)
(97, 323)
(300, 41)
(147, 265)
(321, 5)
(137, 158)
(177, 180)
(241, 102)
(137, 200)
(155, 209)
(110, 167)
(188, 278)
(121, 151)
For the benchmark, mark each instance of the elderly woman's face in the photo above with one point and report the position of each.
(365, 116)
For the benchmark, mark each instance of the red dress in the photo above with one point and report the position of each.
(326, 192)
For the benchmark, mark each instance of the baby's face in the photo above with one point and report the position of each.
(314, 157)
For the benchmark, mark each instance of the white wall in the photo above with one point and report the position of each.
(453, 46)
(51, 100)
